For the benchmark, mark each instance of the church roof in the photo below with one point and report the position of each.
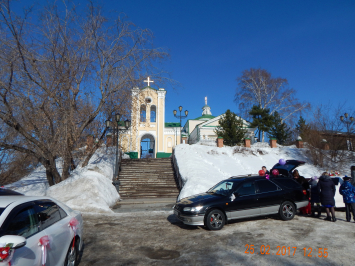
(204, 117)
(148, 87)
(172, 124)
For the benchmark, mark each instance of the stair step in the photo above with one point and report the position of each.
(144, 195)
(148, 196)
(148, 178)
(162, 188)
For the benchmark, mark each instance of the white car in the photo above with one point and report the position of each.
(339, 203)
(38, 230)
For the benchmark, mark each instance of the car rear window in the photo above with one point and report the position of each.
(287, 182)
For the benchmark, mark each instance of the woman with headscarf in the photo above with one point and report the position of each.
(326, 189)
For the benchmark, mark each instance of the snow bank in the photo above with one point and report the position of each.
(88, 189)
(201, 167)
(35, 184)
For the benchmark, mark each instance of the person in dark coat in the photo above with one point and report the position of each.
(265, 170)
(315, 198)
(348, 192)
(326, 189)
(352, 169)
(301, 180)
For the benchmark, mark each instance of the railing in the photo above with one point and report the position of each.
(177, 176)
(116, 182)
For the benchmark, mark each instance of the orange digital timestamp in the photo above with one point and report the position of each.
(286, 251)
(322, 252)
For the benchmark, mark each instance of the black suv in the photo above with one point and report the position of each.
(244, 196)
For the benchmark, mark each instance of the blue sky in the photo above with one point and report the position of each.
(311, 43)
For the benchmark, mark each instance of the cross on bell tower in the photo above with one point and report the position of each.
(148, 81)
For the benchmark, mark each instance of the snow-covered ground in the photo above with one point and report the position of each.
(90, 188)
(87, 189)
(201, 167)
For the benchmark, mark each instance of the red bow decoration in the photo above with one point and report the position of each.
(73, 225)
(44, 242)
(4, 252)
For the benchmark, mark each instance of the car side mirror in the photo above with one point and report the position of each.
(16, 241)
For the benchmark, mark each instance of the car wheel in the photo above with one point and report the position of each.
(72, 254)
(287, 211)
(215, 220)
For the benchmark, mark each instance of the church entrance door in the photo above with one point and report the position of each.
(147, 146)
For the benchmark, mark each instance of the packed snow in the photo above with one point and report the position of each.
(201, 167)
(90, 189)
(87, 189)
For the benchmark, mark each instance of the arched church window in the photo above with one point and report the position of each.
(153, 111)
(143, 113)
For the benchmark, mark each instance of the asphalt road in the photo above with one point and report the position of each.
(148, 237)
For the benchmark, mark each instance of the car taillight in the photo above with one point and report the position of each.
(304, 192)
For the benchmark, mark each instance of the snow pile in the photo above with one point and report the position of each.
(201, 167)
(88, 189)
(35, 184)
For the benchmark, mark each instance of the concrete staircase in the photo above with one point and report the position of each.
(147, 178)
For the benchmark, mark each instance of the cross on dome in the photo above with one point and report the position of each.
(206, 110)
(148, 81)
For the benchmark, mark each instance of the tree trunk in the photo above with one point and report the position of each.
(66, 166)
(259, 133)
(49, 177)
(72, 164)
(52, 173)
(93, 149)
(263, 136)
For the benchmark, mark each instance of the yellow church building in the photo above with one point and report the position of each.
(149, 134)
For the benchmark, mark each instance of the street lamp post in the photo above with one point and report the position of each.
(117, 131)
(348, 121)
(180, 117)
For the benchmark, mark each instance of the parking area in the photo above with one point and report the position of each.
(158, 238)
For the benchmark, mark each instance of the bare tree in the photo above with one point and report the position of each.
(15, 165)
(326, 137)
(59, 68)
(258, 87)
